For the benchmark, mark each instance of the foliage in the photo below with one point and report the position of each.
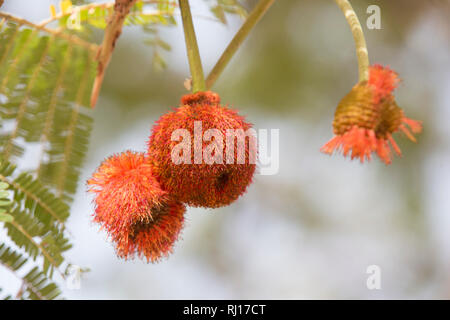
(221, 7)
(34, 221)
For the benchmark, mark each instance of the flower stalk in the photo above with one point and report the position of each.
(195, 64)
(358, 35)
(253, 18)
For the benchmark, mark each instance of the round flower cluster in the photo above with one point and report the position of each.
(140, 198)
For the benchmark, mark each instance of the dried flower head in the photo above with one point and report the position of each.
(131, 206)
(366, 118)
(201, 183)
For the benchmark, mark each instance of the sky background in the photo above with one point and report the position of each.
(311, 230)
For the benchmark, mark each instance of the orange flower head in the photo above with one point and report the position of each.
(131, 206)
(153, 237)
(208, 176)
(366, 118)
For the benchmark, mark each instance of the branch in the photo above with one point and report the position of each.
(112, 33)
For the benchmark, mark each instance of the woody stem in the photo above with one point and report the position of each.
(358, 35)
(253, 18)
(195, 63)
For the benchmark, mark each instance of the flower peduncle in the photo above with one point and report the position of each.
(358, 35)
(195, 63)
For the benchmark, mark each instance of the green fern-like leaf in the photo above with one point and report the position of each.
(47, 208)
(35, 217)
(13, 260)
(222, 7)
(5, 203)
(37, 240)
(36, 285)
(45, 82)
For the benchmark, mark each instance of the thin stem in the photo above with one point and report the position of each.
(195, 63)
(358, 35)
(253, 18)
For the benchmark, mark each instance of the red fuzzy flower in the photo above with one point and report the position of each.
(153, 237)
(131, 206)
(366, 118)
(198, 181)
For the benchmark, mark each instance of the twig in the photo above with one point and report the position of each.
(112, 33)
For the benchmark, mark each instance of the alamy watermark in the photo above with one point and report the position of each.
(73, 279)
(235, 147)
(374, 279)
(74, 20)
(374, 20)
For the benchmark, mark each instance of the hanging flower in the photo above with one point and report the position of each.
(366, 118)
(131, 206)
(198, 180)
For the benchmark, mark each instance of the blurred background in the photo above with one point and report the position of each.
(311, 230)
